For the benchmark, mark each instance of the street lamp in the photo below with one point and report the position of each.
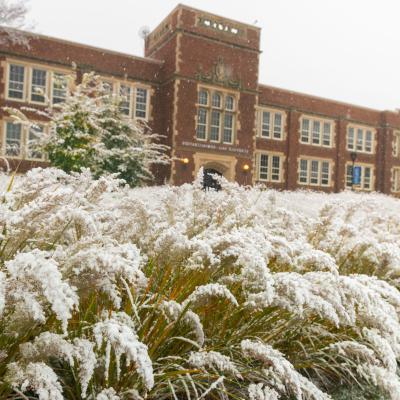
(353, 156)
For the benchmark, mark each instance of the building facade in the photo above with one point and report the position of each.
(198, 86)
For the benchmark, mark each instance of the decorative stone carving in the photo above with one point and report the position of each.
(220, 74)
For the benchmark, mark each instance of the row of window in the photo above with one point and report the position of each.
(216, 122)
(315, 131)
(36, 85)
(39, 86)
(311, 172)
(134, 99)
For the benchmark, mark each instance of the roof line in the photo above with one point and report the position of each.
(88, 46)
(322, 98)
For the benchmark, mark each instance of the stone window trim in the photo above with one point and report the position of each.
(353, 143)
(363, 186)
(24, 153)
(313, 121)
(206, 115)
(27, 84)
(319, 173)
(395, 179)
(116, 86)
(269, 168)
(272, 121)
(396, 144)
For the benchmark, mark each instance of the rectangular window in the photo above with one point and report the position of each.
(350, 138)
(263, 172)
(360, 139)
(314, 176)
(38, 85)
(16, 82)
(215, 116)
(365, 178)
(269, 168)
(317, 132)
(141, 103)
(228, 128)
(13, 139)
(276, 169)
(368, 141)
(215, 125)
(314, 172)
(303, 173)
(271, 124)
(33, 139)
(349, 176)
(396, 180)
(325, 173)
(60, 83)
(326, 136)
(305, 131)
(277, 126)
(125, 99)
(202, 124)
(266, 124)
(396, 143)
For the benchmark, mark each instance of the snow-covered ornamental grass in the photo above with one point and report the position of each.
(114, 293)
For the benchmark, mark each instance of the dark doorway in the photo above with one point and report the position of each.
(208, 180)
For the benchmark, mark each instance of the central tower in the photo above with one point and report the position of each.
(208, 93)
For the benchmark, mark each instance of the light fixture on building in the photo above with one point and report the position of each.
(246, 167)
(185, 160)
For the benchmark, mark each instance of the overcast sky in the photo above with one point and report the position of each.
(347, 50)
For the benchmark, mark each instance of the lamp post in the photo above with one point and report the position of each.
(353, 156)
(246, 169)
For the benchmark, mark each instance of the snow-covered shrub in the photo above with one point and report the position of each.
(108, 292)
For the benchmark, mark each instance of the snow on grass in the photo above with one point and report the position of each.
(176, 292)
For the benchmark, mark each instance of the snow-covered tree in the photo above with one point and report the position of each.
(12, 18)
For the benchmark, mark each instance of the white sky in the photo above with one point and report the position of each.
(342, 49)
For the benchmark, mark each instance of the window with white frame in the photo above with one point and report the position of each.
(396, 144)
(59, 88)
(271, 124)
(314, 172)
(16, 81)
(270, 167)
(396, 179)
(32, 151)
(360, 139)
(216, 116)
(13, 139)
(141, 103)
(125, 99)
(317, 132)
(365, 177)
(38, 85)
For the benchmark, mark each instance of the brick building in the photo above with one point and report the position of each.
(198, 86)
